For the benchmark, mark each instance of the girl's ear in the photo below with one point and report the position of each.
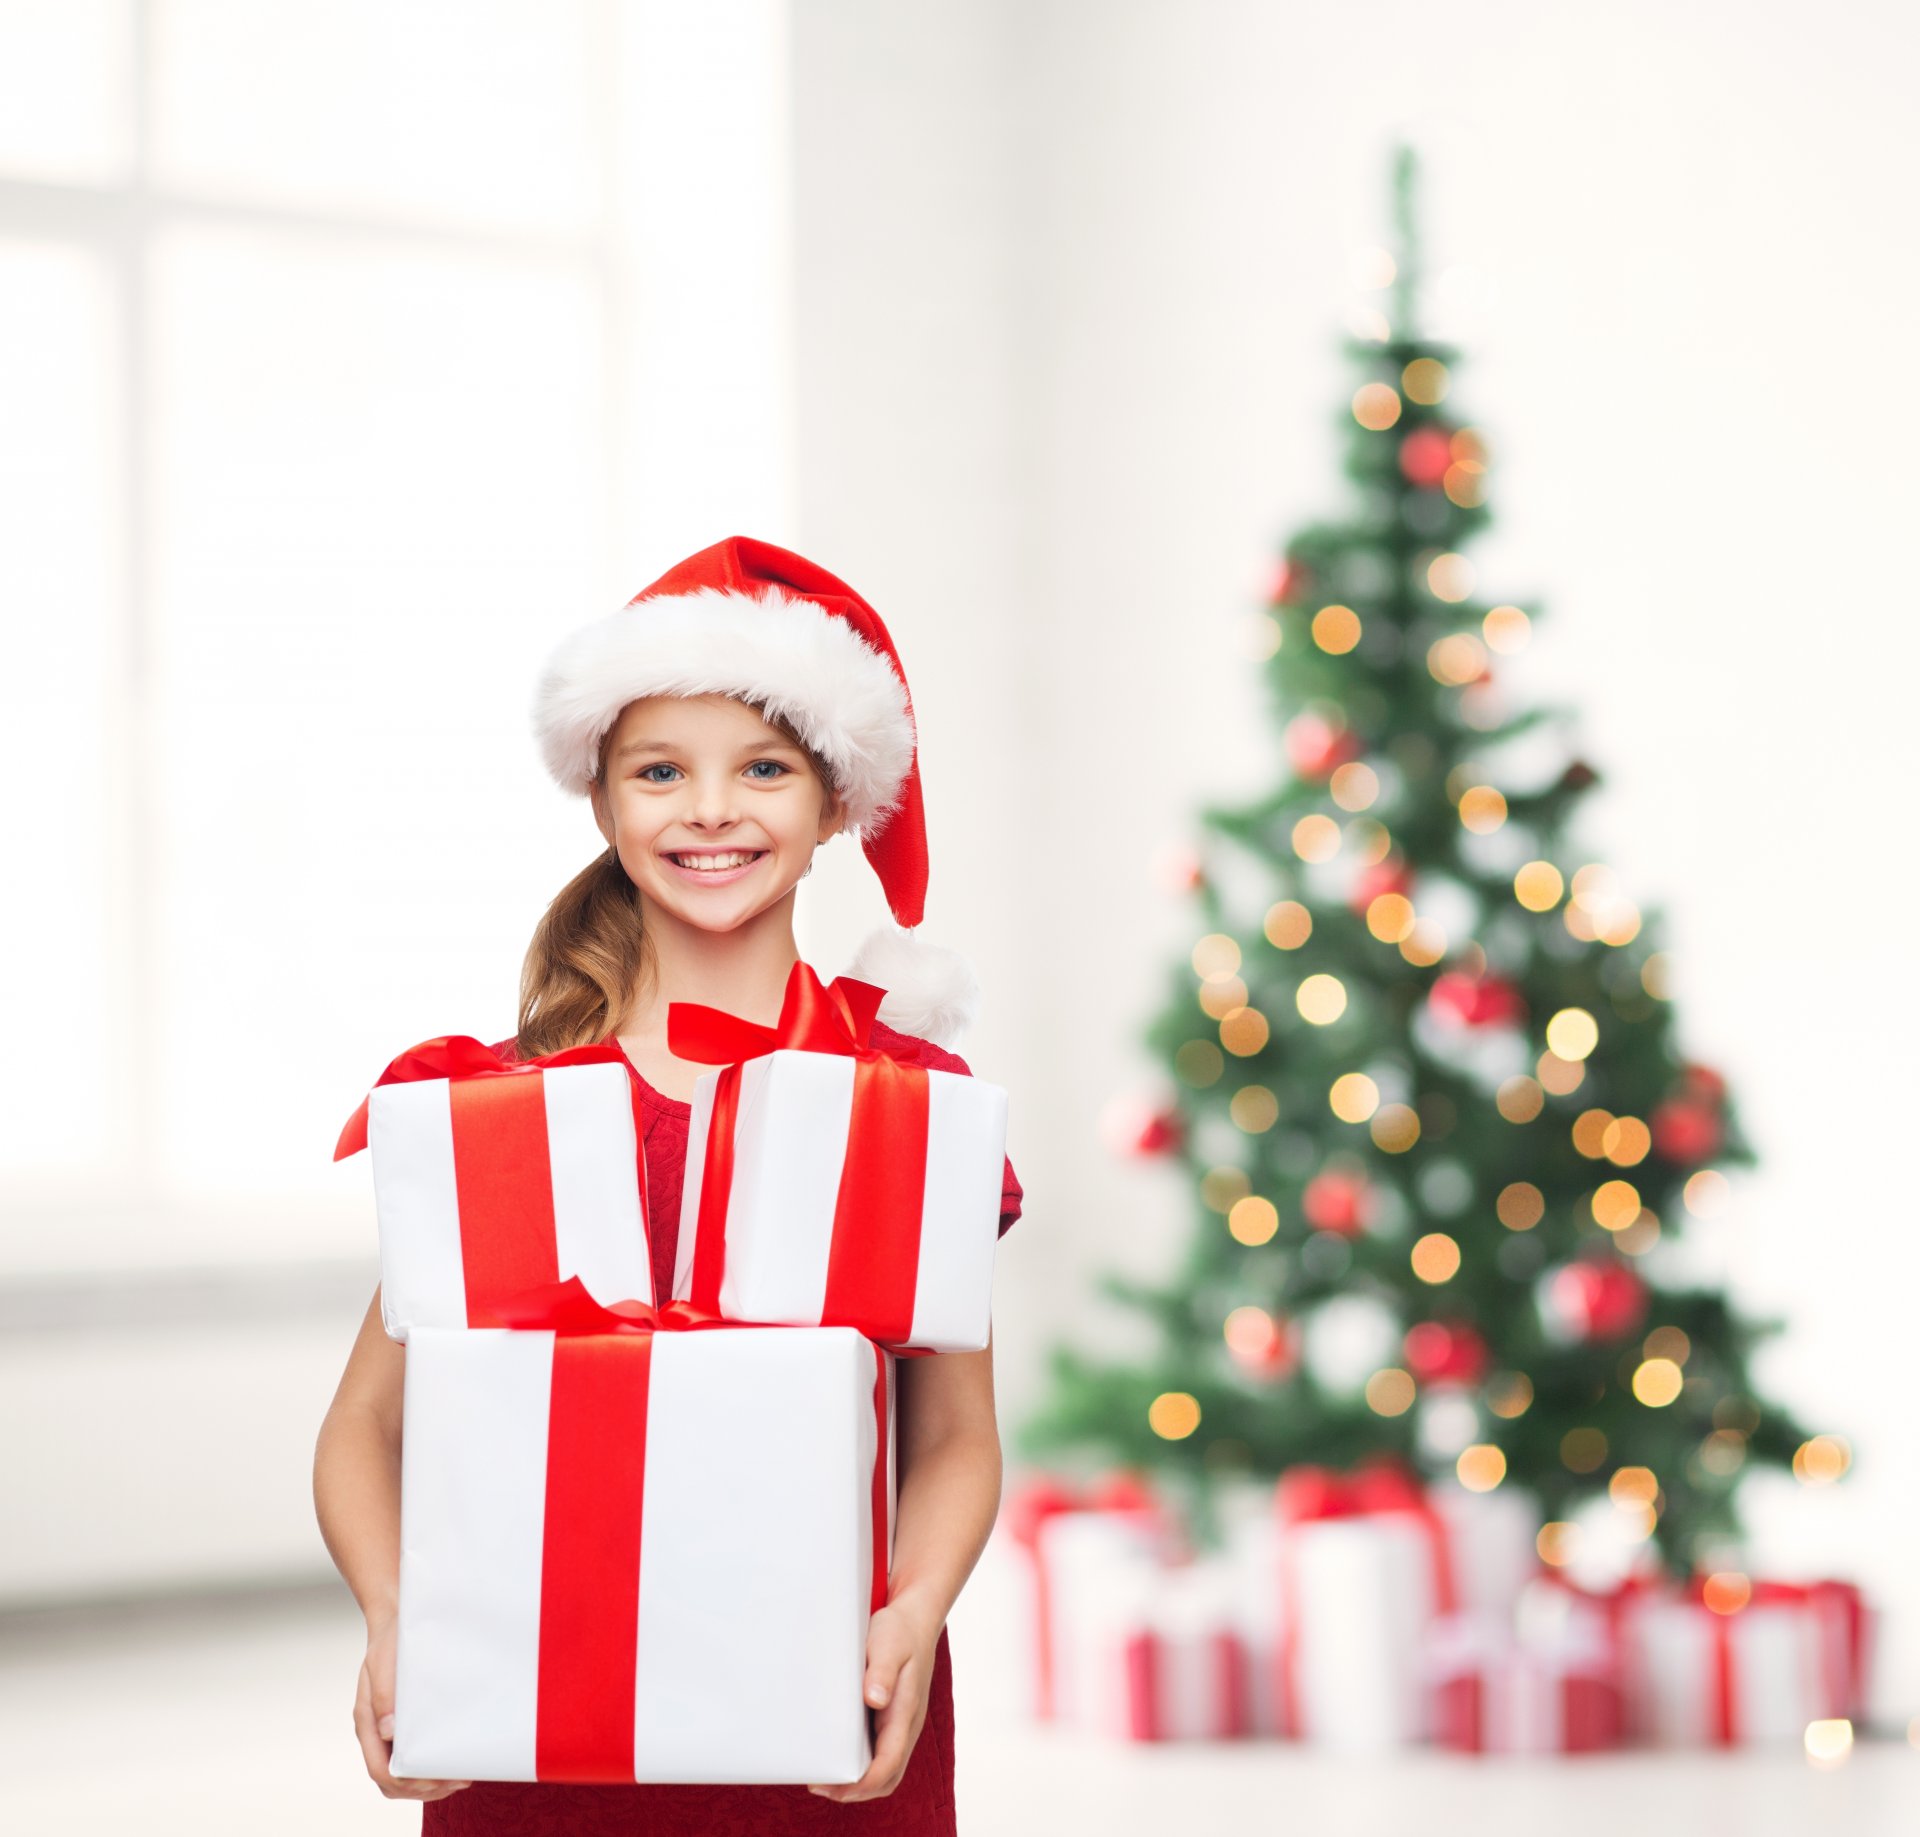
(597, 796)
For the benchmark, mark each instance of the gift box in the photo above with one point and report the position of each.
(829, 1184)
(491, 1177)
(632, 1550)
(1495, 1693)
(1159, 1656)
(1080, 1545)
(1367, 1561)
(1710, 1663)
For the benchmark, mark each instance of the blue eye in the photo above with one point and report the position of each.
(775, 763)
(647, 772)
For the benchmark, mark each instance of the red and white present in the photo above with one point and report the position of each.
(1367, 1561)
(634, 1551)
(493, 1176)
(830, 1184)
(1495, 1693)
(1718, 1661)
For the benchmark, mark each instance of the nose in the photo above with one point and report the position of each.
(711, 803)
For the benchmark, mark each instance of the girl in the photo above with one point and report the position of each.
(722, 728)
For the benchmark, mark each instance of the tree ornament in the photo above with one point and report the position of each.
(1317, 748)
(1592, 1300)
(1425, 457)
(1445, 1352)
(1389, 875)
(1462, 999)
(1263, 1345)
(1338, 1201)
(1291, 581)
(1138, 1127)
(1685, 1132)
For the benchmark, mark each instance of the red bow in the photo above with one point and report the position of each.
(460, 1055)
(833, 1018)
(1309, 1491)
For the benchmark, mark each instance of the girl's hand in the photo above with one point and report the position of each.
(900, 1649)
(373, 1720)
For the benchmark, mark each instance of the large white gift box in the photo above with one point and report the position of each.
(822, 1188)
(492, 1176)
(640, 1555)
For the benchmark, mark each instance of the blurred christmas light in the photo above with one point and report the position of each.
(1616, 1204)
(1354, 1097)
(1319, 741)
(1561, 1077)
(1425, 944)
(1482, 809)
(1222, 1187)
(1632, 1486)
(1589, 1131)
(1254, 1109)
(1556, 1541)
(1250, 1332)
(1258, 636)
(1654, 975)
(1509, 1393)
(1458, 658)
(1316, 837)
(1288, 924)
(1220, 995)
(1336, 629)
(1390, 1392)
(1199, 1064)
(1821, 1460)
(1395, 1128)
(1705, 1194)
(1667, 1343)
(1390, 917)
(1723, 1453)
(1337, 1201)
(1481, 1467)
(1538, 886)
(1321, 999)
(1582, 1450)
(1355, 786)
(1435, 1257)
(1519, 1100)
(1424, 381)
(1173, 1415)
(1627, 1141)
(1243, 1031)
(1133, 1125)
(1176, 868)
(1371, 267)
(1450, 578)
(1572, 1033)
(1726, 1592)
(1521, 1205)
(1829, 1741)
(1253, 1220)
(1656, 1382)
(1376, 406)
(1216, 955)
(1368, 842)
(1506, 629)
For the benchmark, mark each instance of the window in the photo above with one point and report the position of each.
(348, 356)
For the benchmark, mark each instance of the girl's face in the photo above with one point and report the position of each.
(713, 811)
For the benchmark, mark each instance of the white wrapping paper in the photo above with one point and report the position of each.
(754, 1560)
(597, 1225)
(790, 1143)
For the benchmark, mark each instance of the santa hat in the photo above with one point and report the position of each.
(747, 619)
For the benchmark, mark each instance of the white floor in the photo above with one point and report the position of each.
(195, 1720)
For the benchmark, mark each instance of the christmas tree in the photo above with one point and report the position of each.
(1441, 1133)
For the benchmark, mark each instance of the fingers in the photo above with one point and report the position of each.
(376, 1749)
(898, 1729)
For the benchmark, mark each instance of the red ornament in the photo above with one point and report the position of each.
(1317, 748)
(1425, 456)
(1592, 1300)
(1445, 1352)
(1703, 1083)
(1290, 582)
(1137, 1127)
(1389, 876)
(1460, 999)
(1337, 1201)
(1179, 869)
(1685, 1132)
(1274, 1354)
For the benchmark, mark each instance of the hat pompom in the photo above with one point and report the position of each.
(932, 991)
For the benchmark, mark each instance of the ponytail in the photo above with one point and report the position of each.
(584, 961)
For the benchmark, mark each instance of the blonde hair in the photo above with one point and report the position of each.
(589, 953)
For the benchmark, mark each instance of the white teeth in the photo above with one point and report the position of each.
(713, 864)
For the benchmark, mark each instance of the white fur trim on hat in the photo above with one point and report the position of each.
(842, 695)
(932, 991)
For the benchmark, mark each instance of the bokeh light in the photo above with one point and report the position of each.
(1288, 924)
(1572, 1033)
(1521, 1205)
(1506, 629)
(1482, 809)
(1321, 999)
(1174, 1415)
(1395, 1128)
(1821, 1459)
(1199, 1063)
(1481, 1467)
(1656, 1382)
(1316, 837)
(1583, 1449)
(1354, 785)
(1243, 1031)
(1376, 406)
(1435, 1257)
(1538, 886)
(1726, 1591)
(1336, 629)
(1253, 1220)
(1616, 1204)
(1354, 1097)
(1390, 1392)
(1519, 1100)
(1705, 1194)
(1254, 1109)
(1216, 955)
(1390, 917)
(1509, 1393)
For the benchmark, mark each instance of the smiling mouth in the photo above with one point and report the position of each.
(729, 861)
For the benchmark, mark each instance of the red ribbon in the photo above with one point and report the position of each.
(503, 1179)
(596, 1488)
(874, 1254)
(1308, 1492)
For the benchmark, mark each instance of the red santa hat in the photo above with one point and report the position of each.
(747, 619)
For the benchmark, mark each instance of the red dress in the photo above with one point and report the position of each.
(920, 1806)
